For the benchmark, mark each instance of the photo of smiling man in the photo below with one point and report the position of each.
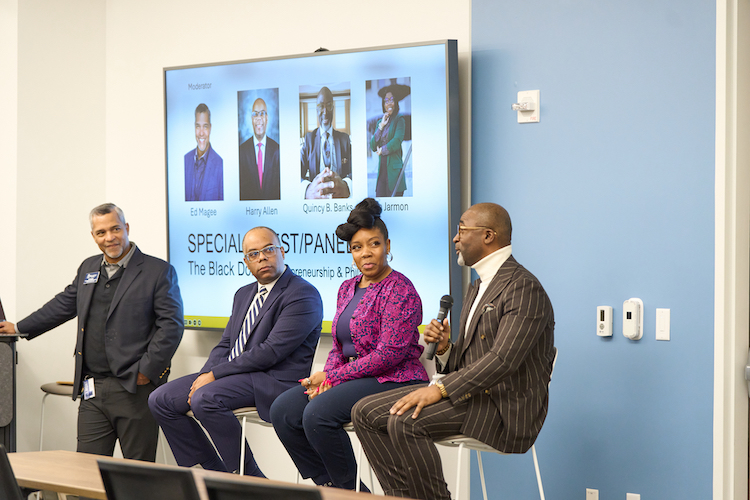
(258, 118)
(204, 168)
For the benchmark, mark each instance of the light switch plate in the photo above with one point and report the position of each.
(662, 324)
(529, 116)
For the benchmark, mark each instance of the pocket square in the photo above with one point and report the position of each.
(488, 308)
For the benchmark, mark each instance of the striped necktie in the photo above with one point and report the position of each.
(247, 325)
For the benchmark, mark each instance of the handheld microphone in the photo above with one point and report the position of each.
(446, 302)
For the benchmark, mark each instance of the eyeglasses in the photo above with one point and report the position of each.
(390, 99)
(268, 251)
(256, 114)
(460, 229)
(327, 105)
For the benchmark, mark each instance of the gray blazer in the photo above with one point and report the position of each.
(144, 324)
(501, 369)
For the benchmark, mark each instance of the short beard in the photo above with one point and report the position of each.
(460, 259)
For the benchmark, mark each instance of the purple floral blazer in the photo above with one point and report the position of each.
(384, 333)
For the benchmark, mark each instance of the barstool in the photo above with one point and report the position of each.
(56, 389)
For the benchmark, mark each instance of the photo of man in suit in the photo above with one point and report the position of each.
(494, 387)
(130, 323)
(260, 177)
(204, 168)
(267, 347)
(326, 155)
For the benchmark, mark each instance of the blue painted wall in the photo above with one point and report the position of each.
(612, 197)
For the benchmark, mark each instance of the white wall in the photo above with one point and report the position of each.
(8, 131)
(93, 71)
(60, 177)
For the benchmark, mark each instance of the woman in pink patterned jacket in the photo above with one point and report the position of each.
(375, 349)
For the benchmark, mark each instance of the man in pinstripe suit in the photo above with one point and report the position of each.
(495, 375)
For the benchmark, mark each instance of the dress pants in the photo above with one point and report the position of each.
(312, 431)
(114, 413)
(212, 405)
(401, 449)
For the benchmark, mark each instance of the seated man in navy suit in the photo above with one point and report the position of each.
(266, 348)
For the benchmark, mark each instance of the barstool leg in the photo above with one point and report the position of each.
(481, 472)
(538, 473)
(41, 422)
(458, 470)
(357, 480)
(242, 448)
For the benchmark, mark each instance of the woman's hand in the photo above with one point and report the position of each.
(323, 387)
(315, 384)
(384, 121)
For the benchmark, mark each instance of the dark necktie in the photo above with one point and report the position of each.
(327, 152)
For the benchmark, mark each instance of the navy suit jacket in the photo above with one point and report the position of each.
(250, 188)
(213, 177)
(144, 325)
(282, 341)
(310, 155)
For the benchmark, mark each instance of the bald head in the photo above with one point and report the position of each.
(260, 118)
(265, 266)
(324, 106)
(495, 217)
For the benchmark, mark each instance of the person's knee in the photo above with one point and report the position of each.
(278, 411)
(287, 408)
(157, 400)
(358, 413)
(203, 401)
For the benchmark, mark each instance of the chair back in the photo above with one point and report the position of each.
(325, 344)
(233, 489)
(133, 480)
(554, 362)
(9, 489)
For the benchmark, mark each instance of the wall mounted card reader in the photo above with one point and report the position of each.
(632, 319)
(604, 321)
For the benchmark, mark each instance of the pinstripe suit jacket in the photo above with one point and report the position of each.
(501, 367)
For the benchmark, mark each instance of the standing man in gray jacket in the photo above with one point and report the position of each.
(130, 323)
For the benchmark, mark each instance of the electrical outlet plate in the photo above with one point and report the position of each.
(529, 116)
(592, 494)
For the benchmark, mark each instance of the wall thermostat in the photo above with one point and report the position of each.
(632, 319)
(604, 321)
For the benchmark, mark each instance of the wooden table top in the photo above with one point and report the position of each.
(78, 474)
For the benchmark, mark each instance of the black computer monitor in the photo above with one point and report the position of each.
(131, 480)
(231, 489)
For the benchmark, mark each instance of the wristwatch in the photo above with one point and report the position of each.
(440, 386)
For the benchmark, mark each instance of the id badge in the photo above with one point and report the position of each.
(88, 388)
(91, 278)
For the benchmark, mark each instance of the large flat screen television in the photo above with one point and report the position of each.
(311, 121)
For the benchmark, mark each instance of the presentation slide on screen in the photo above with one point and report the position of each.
(258, 143)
